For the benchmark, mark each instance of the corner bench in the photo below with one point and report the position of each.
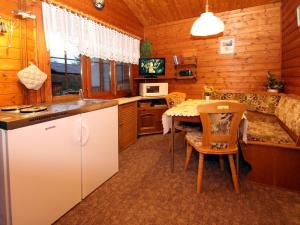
(273, 137)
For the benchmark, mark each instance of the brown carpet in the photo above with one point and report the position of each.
(146, 192)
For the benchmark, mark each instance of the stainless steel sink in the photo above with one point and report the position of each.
(88, 101)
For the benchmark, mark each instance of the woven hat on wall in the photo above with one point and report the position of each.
(32, 77)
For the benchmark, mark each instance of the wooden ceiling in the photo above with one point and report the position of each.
(152, 12)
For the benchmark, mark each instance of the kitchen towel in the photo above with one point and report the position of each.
(32, 77)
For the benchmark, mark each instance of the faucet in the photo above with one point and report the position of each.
(81, 94)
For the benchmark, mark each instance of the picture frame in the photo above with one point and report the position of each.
(227, 45)
(298, 15)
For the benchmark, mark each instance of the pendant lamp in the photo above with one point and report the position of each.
(207, 24)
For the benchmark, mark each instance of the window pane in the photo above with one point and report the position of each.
(123, 76)
(100, 73)
(65, 74)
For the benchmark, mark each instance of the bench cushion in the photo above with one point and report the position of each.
(266, 128)
(288, 111)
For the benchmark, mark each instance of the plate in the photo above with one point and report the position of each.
(33, 109)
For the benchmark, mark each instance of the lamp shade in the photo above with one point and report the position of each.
(207, 24)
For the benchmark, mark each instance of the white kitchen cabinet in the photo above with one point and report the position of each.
(99, 147)
(44, 170)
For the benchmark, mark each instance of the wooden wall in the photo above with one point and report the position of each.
(28, 44)
(15, 57)
(290, 46)
(258, 49)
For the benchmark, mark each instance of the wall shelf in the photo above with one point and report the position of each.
(156, 78)
(189, 65)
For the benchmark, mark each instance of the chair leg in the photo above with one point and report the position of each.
(221, 161)
(237, 162)
(188, 155)
(233, 174)
(200, 173)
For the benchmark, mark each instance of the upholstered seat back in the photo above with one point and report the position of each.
(175, 98)
(288, 111)
(259, 102)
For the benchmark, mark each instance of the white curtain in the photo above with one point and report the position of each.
(69, 32)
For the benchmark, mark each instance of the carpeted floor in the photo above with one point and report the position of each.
(146, 192)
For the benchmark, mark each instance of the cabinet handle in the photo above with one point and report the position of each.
(49, 128)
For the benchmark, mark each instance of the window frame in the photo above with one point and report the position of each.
(67, 96)
(86, 83)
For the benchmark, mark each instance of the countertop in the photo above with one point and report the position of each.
(14, 119)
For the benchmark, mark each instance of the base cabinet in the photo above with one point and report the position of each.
(150, 116)
(47, 168)
(99, 147)
(44, 168)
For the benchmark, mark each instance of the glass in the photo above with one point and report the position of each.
(65, 74)
(100, 75)
(123, 76)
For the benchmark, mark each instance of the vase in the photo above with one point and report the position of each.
(207, 97)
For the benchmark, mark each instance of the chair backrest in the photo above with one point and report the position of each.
(175, 98)
(220, 122)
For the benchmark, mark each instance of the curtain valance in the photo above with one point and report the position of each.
(74, 33)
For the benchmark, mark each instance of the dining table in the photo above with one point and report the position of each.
(187, 111)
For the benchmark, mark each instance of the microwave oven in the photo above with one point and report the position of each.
(153, 89)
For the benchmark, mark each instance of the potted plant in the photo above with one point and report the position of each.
(146, 49)
(273, 84)
(208, 90)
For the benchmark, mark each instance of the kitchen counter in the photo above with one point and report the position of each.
(14, 119)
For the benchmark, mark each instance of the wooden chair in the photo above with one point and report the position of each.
(220, 122)
(173, 99)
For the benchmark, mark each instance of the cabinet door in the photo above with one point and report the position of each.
(44, 169)
(127, 125)
(149, 120)
(99, 147)
(146, 121)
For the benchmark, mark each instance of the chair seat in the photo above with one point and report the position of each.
(195, 139)
(187, 127)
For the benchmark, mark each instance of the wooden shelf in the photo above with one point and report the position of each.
(189, 64)
(153, 107)
(158, 78)
(186, 65)
(185, 77)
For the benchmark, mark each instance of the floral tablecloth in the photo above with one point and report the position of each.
(188, 108)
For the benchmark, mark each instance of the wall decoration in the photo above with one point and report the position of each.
(227, 45)
(298, 15)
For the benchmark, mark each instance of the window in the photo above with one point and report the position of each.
(123, 76)
(65, 73)
(100, 75)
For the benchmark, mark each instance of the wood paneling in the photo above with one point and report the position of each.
(11, 58)
(290, 47)
(258, 50)
(151, 12)
(28, 44)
